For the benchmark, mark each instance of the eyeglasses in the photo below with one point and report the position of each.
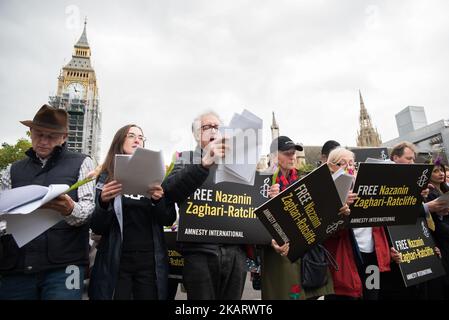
(345, 163)
(208, 127)
(134, 136)
(49, 136)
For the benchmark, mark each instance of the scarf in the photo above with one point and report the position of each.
(285, 182)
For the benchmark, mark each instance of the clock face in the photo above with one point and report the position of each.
(76, 90)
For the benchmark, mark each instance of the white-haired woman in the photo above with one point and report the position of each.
(355, 249)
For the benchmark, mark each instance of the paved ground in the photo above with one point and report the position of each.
(248, 294)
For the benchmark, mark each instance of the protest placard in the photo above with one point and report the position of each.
(224, 213)
(419, 262)
(304, 214)
(388, 194)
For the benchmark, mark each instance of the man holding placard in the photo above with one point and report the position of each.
(391, 283)
(211, 270)
(390, 194)
(52, 265)
(405, 153)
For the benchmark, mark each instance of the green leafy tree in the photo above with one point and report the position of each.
(11, 153)
(305, 169)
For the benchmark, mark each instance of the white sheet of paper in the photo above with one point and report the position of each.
(444, 197)
(26, 227)
(138, 171)
(224, 175)
(121, 166)
(246, 156)
(13, 198)
(19, 198)
(344, 182)
(240, 164)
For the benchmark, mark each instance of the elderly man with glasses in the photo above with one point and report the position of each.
(211, 271)
(40, 269)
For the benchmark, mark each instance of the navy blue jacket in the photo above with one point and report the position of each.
(108, 224)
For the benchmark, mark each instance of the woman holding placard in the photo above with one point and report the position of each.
(356, 249)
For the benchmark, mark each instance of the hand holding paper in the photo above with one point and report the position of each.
(62, 204)
(214, 151)
(23, 214)
(110, 191)
(26, 199)
(33, 209)
(351, 198)
(155, 191)
(444, 199)
(135, 173)
(438, 204)
(343, 182)
(345, 211)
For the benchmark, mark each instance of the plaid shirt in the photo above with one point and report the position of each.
(85, 205)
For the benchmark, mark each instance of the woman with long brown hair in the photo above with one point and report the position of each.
(131, 261)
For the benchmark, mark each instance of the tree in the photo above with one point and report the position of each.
(305, 169)
(11, 153)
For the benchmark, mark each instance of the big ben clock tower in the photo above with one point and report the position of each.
(77, 93)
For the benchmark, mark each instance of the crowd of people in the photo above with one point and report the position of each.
(131, 260)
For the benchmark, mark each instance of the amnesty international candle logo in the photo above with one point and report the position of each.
(224, 213)
(419, 262)
(265, 188)
(423, 178)
(388, 194)
(425, 230)
(304, 214)
(334, 226)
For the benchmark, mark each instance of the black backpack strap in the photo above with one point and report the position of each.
(330, 259)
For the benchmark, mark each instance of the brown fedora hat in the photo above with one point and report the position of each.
(50, 119)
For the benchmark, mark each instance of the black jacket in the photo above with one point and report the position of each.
(188, 175)
(105, 222)
(441, 234)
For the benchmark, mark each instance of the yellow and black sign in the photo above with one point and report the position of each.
(304, 214)
(388, 194)
(224, 213)
(175, 259)
(419, 262)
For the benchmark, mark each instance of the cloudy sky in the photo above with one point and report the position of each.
(159, 63)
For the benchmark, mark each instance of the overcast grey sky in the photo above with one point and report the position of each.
(160, 63)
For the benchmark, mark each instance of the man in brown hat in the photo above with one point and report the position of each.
(52, 265)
